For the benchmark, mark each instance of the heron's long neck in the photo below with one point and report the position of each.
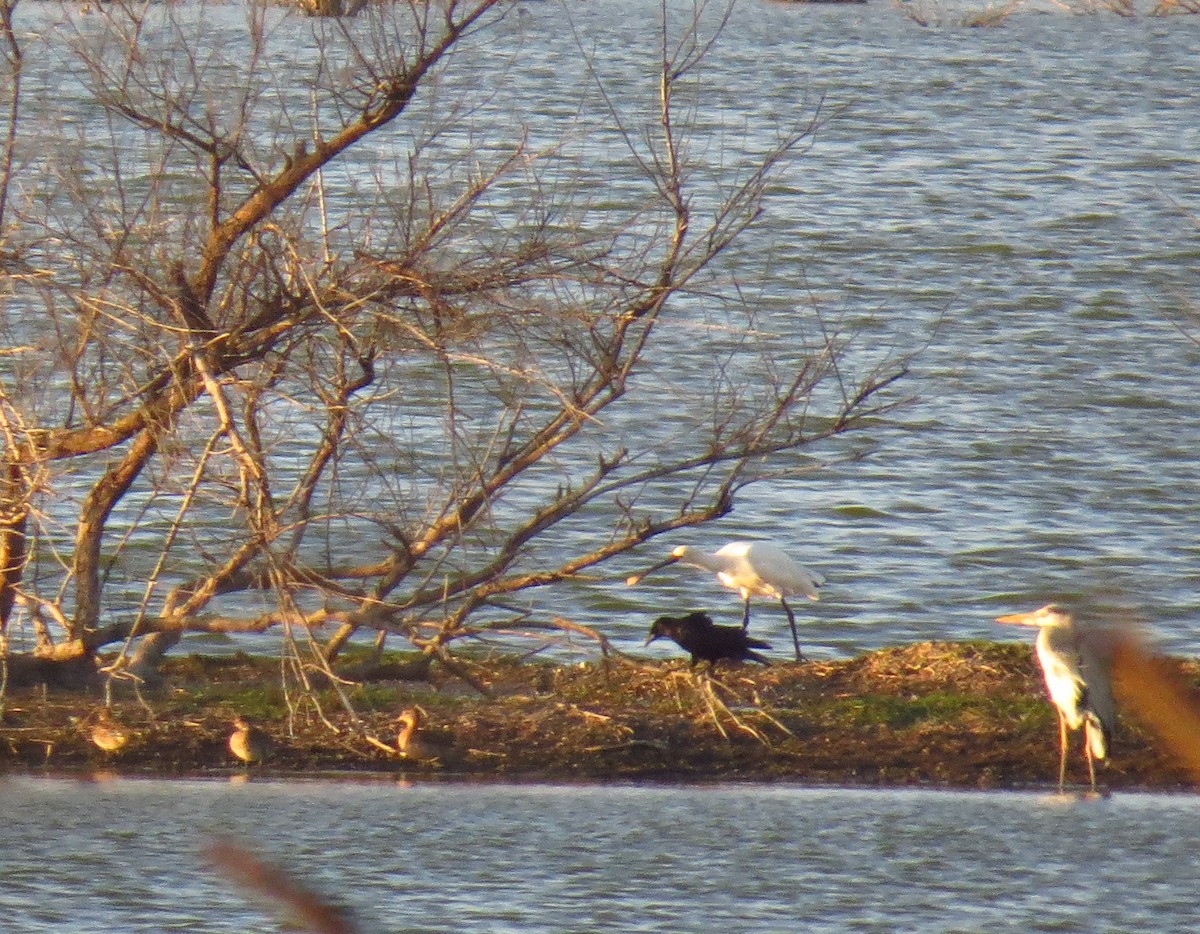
(1056, 638)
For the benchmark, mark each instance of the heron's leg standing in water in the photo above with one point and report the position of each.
(1087, 752)
(1062, 752)
(746, 615)
(792, 622)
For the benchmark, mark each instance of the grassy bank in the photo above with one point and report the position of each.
(954, 714)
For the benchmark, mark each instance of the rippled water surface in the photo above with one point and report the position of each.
(1014, 208)
(127, 856)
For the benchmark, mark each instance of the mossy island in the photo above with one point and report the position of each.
(943, 714)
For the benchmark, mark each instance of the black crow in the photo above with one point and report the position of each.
(697, 634)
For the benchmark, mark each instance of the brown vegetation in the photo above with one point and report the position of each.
(952, 714)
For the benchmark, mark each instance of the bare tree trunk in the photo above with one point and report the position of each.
(14, 520)
(92, 521)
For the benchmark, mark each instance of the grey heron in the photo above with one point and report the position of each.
(1077, 680)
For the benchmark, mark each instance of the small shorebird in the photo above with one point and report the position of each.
(419, 744)
(1077, 681)
(706, 642)
(108, 735)
(752, 569)
(250, 743)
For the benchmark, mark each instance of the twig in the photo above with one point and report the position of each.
(390, 750)
(311, 911)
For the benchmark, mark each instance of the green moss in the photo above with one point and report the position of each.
(262, 699)
(898, 712)
(372, 696)
(361, 654)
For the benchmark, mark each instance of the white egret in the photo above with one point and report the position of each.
(752, 569)
(1077, 680)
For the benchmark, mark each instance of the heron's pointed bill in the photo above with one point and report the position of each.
(1050, 615)
(634, 579)
(1020, 619)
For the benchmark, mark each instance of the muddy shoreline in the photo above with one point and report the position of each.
(951, 715)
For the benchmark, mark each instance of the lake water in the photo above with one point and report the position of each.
(1014, 208)
(127, 856)
(1017, 207)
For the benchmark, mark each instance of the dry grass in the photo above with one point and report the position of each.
(962, 714)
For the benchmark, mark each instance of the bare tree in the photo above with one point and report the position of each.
(280, 347)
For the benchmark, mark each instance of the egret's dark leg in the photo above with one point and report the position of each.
(792, 622)
(746, 616)
(1062, 752)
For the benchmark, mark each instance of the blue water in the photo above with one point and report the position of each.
(129, 856)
